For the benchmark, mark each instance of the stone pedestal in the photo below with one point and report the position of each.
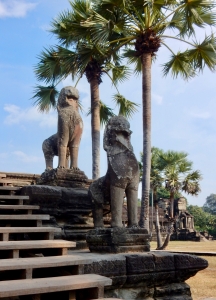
(118, 240)
(65, 178)
(69, 209)
(154, 275)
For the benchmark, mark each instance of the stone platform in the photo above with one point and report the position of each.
(156, 275)
(118, 240)
(70, 209)
(72, 178)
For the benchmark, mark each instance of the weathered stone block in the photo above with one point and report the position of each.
(162, 278)
(139, 264)
(111, 266)
(163, 261)
(141, 280)
(65, 178)
(117, 240)
(174, 291)
(141, 293)
(183, 261)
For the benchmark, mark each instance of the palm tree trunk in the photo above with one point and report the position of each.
(95, 127)
(157, 225)
(171, 205)
(146, 95)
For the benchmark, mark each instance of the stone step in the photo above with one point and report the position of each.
(13, 248)
(18, 199)
(92, 282)
(16, 182)
(72, 263)
(24, 217)
(9, 188)
(48, 232)
(13, 197)
(16, 207)
(28, 229)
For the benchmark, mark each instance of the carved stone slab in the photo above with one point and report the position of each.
(142, 276)
(117, 240)
(64, 178)
(189, 261)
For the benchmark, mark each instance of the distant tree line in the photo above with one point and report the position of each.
(171, 173)
(205, 217)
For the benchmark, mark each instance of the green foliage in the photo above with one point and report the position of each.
(203, 220)
(126, 107)
(165, 194)
(78, 55)
(178, 173)
(210, 204)
(171, 172)
(123, 23)
(105, 113)
(45, 97)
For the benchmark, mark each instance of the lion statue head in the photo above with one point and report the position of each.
(117, 135)
(67, 95)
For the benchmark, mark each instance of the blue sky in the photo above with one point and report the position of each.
(183, 113)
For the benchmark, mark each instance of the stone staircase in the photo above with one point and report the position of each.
(32, 264)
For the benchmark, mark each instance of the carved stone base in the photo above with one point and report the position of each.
(64, 178)
(118, 240)
(154, 275)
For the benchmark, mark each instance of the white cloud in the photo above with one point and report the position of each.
(15, 8)
(26, 158)
(16, 115)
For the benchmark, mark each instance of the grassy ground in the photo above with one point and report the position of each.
(203, 284)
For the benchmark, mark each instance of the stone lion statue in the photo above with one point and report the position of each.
(50, 149)
(122, 177)
(70, 126)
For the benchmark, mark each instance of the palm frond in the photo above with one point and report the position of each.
(191, 183)
(126, 107)
(133, 59)
(105, 113)
(120, 73)
(45, 97)
(67, 26)
(49, 67)
(69, 61)
(204, 54)
(196, 12)
(171, 158)
(179, 64)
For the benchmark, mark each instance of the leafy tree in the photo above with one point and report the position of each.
(210, 204)
(141, 28)
(178, 175)
(203, 220)
(78, 55)
(170, 173)
(165, 194)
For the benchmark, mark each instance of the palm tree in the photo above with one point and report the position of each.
(83, 57)
(178, 175)
(142, 27)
